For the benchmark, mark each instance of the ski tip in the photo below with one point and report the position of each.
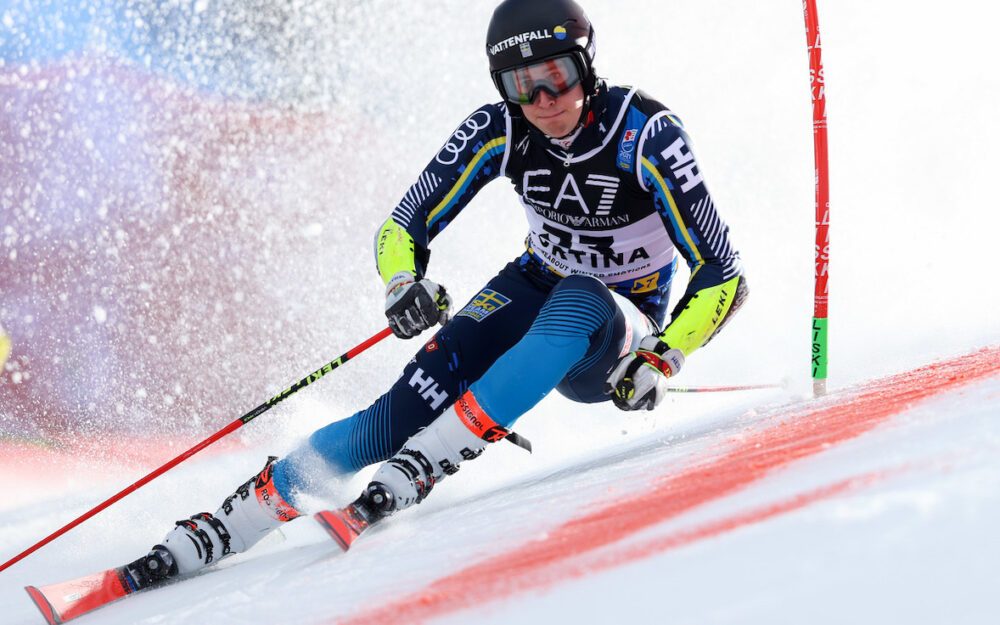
(335, 525)
(43, 605)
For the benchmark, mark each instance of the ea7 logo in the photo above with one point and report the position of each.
(609, 188)
(569, 191)
(684, 168)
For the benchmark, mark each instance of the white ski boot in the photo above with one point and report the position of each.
(428, 456)
(246, 516)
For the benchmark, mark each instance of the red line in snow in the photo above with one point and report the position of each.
(802, 432)
(653, 546)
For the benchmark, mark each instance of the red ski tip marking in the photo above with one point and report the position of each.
(65, 601)
(340, 526)
(43, 605)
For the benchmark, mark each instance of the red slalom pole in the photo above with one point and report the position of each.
(821, 294)
(229, 429)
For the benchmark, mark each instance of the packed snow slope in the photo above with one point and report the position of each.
(188, 198)
(875, 504)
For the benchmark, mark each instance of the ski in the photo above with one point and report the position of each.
(65, 601)
(344, 525)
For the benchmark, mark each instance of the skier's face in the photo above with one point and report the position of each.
(555, 116)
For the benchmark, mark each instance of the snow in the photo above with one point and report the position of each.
(187, 198)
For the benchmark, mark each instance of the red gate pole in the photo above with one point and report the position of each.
(821, 292)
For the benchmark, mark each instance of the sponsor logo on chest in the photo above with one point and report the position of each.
(594, 197)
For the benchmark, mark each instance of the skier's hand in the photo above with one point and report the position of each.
(639, 380)
(413, 305)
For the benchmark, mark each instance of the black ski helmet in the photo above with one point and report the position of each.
(528, 31)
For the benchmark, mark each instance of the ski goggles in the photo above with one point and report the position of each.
(554, 76)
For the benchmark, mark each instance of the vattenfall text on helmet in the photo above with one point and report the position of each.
(519, 39)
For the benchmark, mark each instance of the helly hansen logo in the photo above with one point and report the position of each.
(428, 389)
(684, 168)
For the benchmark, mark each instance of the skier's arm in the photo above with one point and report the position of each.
(472, 156)
(716, 288)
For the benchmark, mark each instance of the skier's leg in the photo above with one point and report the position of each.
(584, 382)
(459, 434)
(440, 372)
(266, 501)
(581, 327)
(339, 449)
(243, 519)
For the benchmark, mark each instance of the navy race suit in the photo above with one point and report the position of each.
(607, 213)
(616, 206)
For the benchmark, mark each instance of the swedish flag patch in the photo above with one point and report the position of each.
(484, 304)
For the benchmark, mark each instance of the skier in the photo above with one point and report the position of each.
(612, 194)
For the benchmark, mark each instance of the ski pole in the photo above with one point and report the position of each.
(229, 429)
(720, 389)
